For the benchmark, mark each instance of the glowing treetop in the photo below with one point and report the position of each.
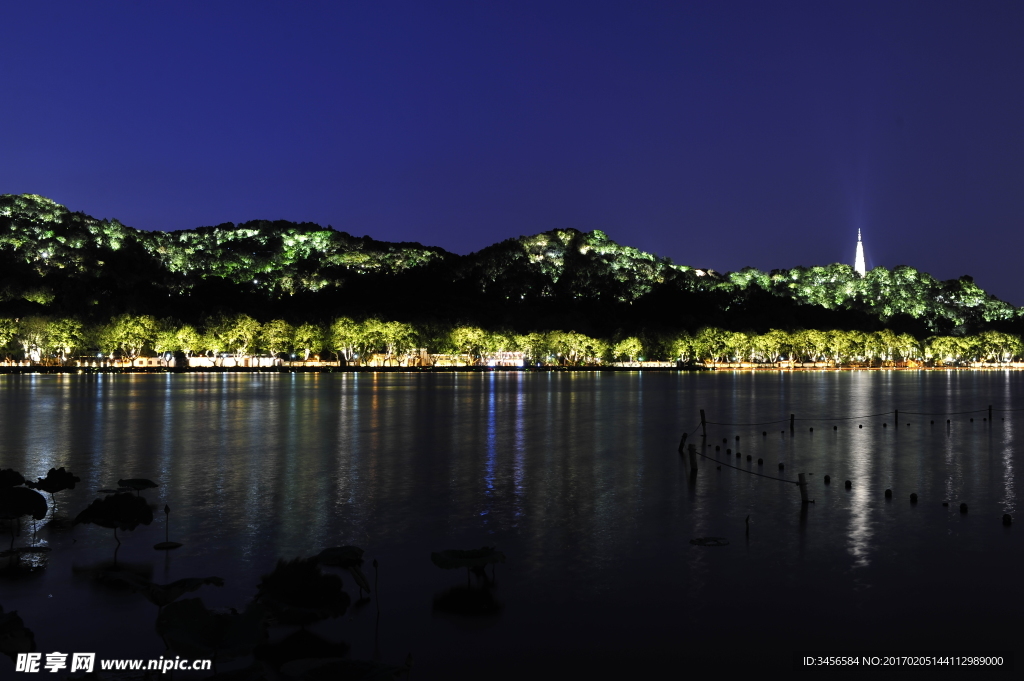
(858, 263)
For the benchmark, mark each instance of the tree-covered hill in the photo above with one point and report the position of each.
(54, 261)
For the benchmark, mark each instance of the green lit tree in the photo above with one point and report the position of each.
(131, 333)
(627, 349)
(999, 347)
(189, 340)
(709, 344)
(309, 338)
(470, 340)
(8, 332)
(343, 338)
(242, 333)
(397, 338)
(277, 337)
(535, 346)
(681, 347)
(64, 335)
(33, 334)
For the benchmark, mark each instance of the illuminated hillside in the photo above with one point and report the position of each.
(55, 260)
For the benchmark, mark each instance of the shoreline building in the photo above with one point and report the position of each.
(858, 263)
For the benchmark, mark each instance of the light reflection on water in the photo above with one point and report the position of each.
(575, 476)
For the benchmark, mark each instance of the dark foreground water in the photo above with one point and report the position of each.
(576, 478)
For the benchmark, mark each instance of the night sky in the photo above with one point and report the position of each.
(720, 134)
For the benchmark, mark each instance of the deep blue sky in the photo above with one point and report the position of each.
(720, 134)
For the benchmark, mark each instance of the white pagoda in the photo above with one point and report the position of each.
(858, 263)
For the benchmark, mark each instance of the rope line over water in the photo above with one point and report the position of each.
(950, 413)
(823, 418)
(743, 470)
(865, 416)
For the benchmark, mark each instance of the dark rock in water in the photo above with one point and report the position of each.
(737, 455)
(913, 497)
(888, 494)
(1007, 520)
(781, 466)
(764, 433)
(945, 503)
(812, 430)
(848, 484)
(963, 508)
(760, 462)
(828, 479)
(749, 457)
(835, 427)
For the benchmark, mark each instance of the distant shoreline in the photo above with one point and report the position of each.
(23, 370)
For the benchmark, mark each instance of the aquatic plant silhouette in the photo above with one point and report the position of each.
(105, 573)
(162, 595)
(117, 511)
(16, 502)
(15, 637)
(298, 592)
(56, 480)
(11, 478)
(453, 559)
(136, 484)
(167, 544)
(193, 630)
(348, 558)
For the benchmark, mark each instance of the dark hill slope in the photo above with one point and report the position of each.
(57, 261)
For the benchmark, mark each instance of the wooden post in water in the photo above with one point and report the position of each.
(803, 489)
(792, 417)
(703, 424)
(682, 443)
(693, 458)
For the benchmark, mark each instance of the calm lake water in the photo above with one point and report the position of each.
(576, 478)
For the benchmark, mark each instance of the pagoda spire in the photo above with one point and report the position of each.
(858, 263)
